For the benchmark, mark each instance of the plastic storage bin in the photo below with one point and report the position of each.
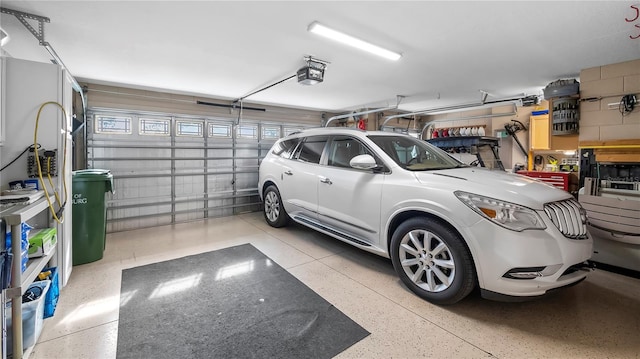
(53, 294)
(89, 214)
(561, 88)
(32, 317)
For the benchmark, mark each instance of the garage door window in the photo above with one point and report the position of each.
(189, 128)
(270, 133)
(113, 125)
(155, 127)
(219, 130)
(248, 131)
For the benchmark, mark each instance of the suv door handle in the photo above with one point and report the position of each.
(288, 173)
(325, 180)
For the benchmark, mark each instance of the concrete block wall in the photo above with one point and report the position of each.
(608, 83)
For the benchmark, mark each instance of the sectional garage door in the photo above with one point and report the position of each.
(170, 168)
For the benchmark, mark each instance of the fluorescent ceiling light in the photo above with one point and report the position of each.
(322, 30)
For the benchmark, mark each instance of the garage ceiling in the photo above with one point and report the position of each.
(227, 49)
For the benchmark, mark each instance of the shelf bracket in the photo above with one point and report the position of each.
(23, 16)
(39, 34)
(13, 292)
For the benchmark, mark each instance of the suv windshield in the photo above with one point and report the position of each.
(413, 154)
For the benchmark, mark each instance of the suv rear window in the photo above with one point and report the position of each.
(284, 148)
(311, 149)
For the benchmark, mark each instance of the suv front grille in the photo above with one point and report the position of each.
(569, 217)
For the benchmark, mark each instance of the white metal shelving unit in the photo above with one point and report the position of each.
(14, 216)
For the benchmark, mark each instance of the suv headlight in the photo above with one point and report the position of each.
(506, 214)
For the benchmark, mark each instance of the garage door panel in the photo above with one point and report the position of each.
(186, 217)
(247, 150)
(247, 203)
(247, 180)
(129, 152)
(215, 151)
(190, 165)
(138, 213)
(190, 185)
(130, 224)
(140, 191)
(220, 183)
(220, 164)
(189, 153)
(155, 221)
(221, 207)
(170, 169)
(189, 211)
(247, 162)
(133, 167)
(154, 210)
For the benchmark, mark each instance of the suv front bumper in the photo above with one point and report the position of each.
(527, 263)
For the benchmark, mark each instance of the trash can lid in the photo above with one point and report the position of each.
(92, 175)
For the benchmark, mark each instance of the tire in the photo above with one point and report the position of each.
(441, 272)
(273, 210)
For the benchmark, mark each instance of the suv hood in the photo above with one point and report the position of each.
(509, 187)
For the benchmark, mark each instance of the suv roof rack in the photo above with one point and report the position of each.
(328, 129)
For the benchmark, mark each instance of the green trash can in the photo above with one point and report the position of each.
(89, 214)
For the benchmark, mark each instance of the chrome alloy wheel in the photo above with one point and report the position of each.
(272, 206)
(427, 260)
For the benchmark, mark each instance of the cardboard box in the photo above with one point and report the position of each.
(42, 242)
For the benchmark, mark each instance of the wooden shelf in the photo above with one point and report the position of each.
(610, 144)
(464, 141)
(34, 267)
(615, 151)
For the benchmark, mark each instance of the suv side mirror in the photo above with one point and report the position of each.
(363, 162)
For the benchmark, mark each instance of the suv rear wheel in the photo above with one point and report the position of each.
(432, 261)
(274, 212)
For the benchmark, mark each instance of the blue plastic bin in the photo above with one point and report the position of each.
(51, 299)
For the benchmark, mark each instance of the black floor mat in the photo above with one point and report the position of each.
(230, 303)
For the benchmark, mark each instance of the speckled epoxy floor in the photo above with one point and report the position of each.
(598, 318)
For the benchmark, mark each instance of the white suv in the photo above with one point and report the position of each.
(446, 226)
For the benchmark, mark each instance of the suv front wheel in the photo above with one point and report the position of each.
(274, 212)
(432, 261)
